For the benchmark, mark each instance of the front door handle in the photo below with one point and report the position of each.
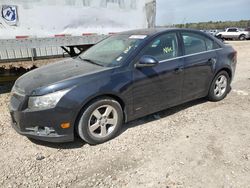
(178, 70)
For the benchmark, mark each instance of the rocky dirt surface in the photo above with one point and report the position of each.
(198, 144)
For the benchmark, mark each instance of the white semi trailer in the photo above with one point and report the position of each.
(42, 28)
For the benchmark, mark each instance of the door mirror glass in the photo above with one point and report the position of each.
(147, 61)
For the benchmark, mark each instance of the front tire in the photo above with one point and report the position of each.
(100, 121)
(220, 37)
(219, 87)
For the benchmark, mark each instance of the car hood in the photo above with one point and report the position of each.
(54, 73)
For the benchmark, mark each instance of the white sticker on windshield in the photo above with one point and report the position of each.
(138, 36)
(119, 58)
(127, 50)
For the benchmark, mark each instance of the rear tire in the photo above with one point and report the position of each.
(219, 87)
(100, 121)
(242, 37)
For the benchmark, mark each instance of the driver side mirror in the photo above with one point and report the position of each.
(147, 61)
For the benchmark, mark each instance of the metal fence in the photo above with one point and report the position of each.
(32, 48)
(30, 53)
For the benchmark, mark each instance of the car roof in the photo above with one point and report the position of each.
(153, 31)
(148, 32)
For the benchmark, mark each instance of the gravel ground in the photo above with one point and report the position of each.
(198, 144)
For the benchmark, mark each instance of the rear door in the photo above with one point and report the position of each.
(199, 63)
(158, 87)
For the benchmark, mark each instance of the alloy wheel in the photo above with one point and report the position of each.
(103, 121)
(220, 86)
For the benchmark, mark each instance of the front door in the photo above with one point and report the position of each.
(156, 88)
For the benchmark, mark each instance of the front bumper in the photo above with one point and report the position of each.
(48, 138)
(42, 125)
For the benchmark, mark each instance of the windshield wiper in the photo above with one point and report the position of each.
(90, 61)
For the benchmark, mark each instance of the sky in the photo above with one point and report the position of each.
(186, 11)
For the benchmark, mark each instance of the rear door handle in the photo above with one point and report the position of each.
(178, 70)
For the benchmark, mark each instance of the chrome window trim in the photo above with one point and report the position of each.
(163, 61)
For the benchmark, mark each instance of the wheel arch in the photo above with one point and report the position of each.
(89, 101)
(228, 70)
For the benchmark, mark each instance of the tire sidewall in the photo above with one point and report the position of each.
(242, 37)
(211, 95)
(219, 37)
(82, 128)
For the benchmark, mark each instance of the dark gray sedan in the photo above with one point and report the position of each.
(124, 77)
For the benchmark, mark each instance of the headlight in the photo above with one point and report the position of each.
(46, 101)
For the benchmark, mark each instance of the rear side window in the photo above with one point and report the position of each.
(193, 43)
(211, 44)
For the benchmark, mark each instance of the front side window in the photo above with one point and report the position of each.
(232, 30)
(163, 47)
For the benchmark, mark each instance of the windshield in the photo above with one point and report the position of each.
(112, 51)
